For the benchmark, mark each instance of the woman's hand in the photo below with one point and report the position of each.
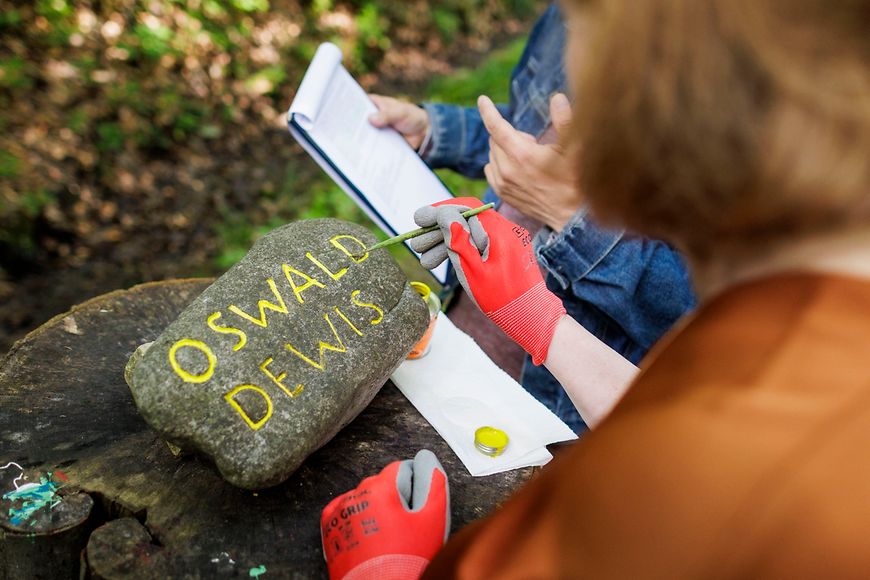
(496, 264)
(411, 121)
(391, 525)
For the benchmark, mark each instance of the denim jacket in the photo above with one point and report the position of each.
(625, 289)
(458, 138)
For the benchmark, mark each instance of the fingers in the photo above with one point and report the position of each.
(447, 216)
(468, 202)
(433, 258)
(413, 479)
(490, 171)
(504, 135)
(560, 113)
(527, 137)
(426, 216)
(378, 119)
(426, 465)
(497, 172)
(426, 242)
(479, 236)
(508, 167)
(432, 246)
(497, 155)
(404, 483)
(501, 165)
(457, 236)
(431, 491)
(390, 111)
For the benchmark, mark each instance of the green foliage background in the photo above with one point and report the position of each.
(146, 139)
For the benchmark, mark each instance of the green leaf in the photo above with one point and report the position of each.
(250, 5)
(111, 136)
(491, 78)
(447, 23)
(32, 202)
(13, 73)
(154, 42)
(78, 121)
(266, 80)
(321, 6)
(9, 19)
(10, 165)
(210, 131)
(53, 9)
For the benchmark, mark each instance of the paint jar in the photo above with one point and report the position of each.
(434, 304)
(490, 441)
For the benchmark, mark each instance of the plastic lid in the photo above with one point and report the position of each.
(422, 289)
(490, 441)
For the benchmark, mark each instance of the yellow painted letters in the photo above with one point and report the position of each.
(324, 346)
(264, 366)
(297, 290)
(212, 323)
(333, 275)
(354, 297)
(349, 323)
(353, 255)
(263, 305)
(186, 376)
(231, 399)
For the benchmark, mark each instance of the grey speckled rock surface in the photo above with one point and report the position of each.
(281, 352)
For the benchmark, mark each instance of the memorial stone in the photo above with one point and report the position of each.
(279, 353)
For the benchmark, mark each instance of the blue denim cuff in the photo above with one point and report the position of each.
(571, 254)
(445, 146)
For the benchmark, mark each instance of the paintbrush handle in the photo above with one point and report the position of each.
(421, 231)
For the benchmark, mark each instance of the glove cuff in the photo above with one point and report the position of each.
(389, 567)
(531, 319)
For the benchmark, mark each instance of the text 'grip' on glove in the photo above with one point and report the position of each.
(495, 263)
(391, 525)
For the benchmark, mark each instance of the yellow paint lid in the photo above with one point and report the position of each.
(490, 441)
(422, 289)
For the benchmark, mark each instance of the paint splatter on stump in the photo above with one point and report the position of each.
(43, 527)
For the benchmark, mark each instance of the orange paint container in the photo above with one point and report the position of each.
(434, 304)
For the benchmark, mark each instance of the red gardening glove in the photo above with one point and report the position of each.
(495, 262)
(391, 525)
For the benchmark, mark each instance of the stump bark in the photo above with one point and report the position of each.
(143, 511)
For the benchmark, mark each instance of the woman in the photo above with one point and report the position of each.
(739, 130)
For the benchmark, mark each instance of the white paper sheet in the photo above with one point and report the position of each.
(314, 83)
(458, 388)
(333, 110)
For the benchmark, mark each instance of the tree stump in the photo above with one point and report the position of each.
(142, 511)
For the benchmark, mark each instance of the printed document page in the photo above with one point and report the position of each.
(333, 109)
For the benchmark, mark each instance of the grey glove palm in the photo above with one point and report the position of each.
(433, 246)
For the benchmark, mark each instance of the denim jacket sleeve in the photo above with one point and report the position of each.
(458, 140)
(640, 285)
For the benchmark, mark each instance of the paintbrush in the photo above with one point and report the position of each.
(421, 231)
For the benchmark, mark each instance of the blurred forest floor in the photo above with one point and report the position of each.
(144, 140)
